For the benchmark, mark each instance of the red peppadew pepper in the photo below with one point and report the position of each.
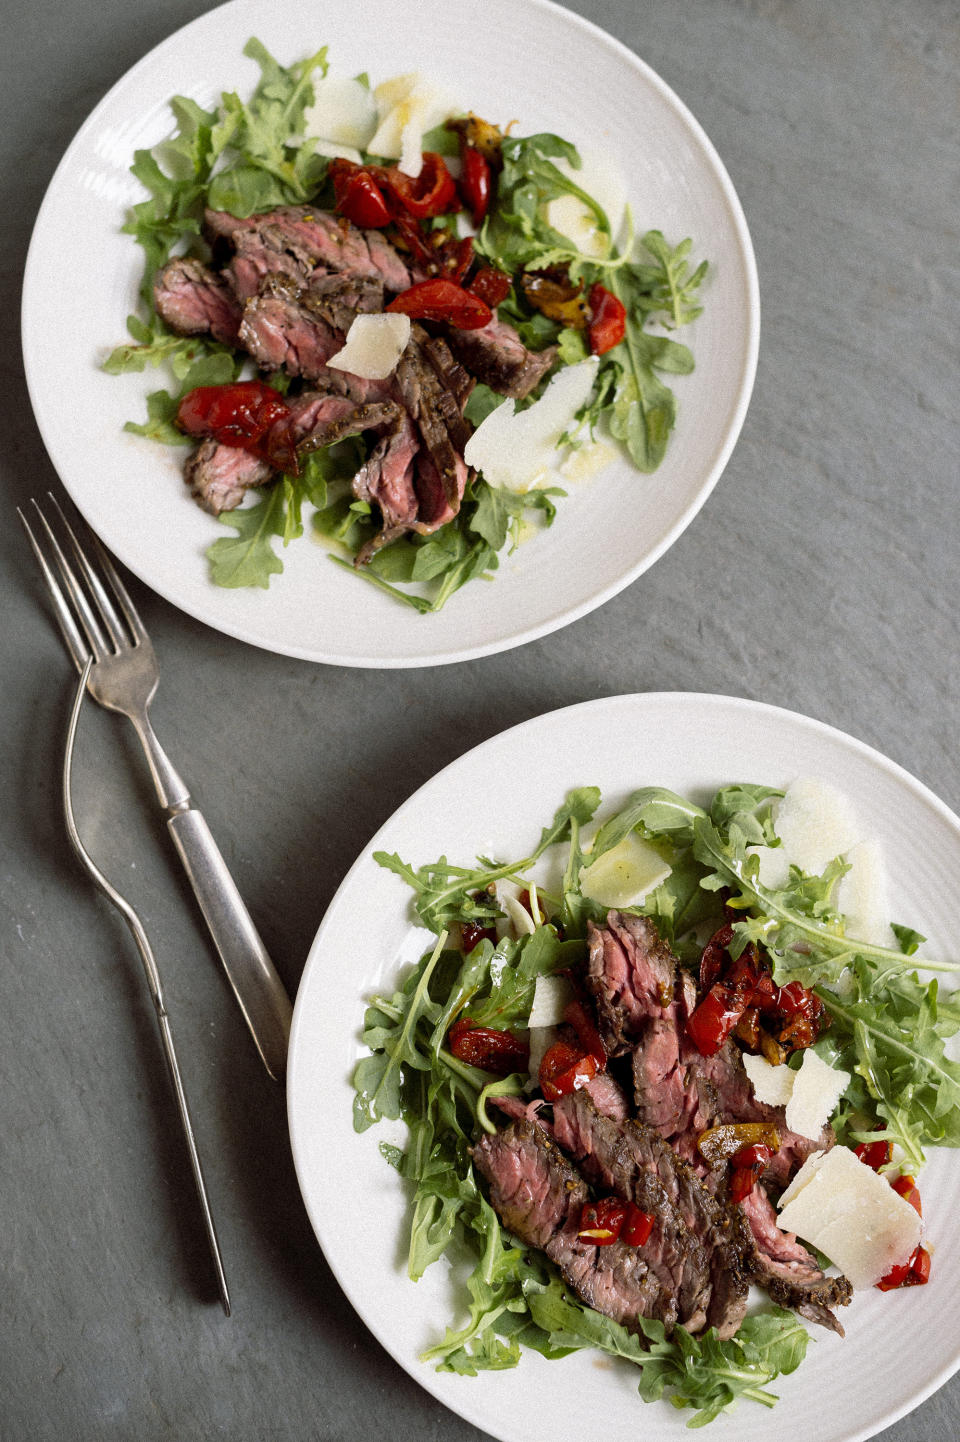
(358, 194)
(476, 182)
(488, 1048)
(235, 415)
(442, 299)
(432, 192)
(491, 285)
(608, 320)
(564, 1069)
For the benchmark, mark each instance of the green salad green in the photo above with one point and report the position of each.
(888, 1030)
(250, 156)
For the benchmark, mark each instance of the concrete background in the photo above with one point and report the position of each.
(820, 576)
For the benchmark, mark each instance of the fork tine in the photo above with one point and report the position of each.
(108, 617)
(69, 629)
(96, 641)
(121, 595)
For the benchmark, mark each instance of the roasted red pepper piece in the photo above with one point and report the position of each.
(724, 1004)
(473, 932)
(476, 182)
(637, 1226)
(235, 415)
(491, 285)
(714, 956)
(442, 299)
(601, 1222)
(608, 323)
(875, 1154)
(577, 1015)
(358, 193)
(432, 192)
(488, 1048)
(915, 1272)
(908, 1189)
(564, 1069)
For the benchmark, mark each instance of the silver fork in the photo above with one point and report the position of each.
(153, 981)
(99, 621)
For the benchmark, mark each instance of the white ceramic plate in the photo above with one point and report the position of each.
(899, 1346)
(537, 62)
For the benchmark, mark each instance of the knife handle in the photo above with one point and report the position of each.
(260, 992)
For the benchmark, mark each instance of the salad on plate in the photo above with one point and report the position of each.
(394, 323)
(668, 1082)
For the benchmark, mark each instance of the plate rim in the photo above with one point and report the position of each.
(444, 653)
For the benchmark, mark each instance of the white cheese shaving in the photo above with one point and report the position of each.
(334, 150)
(374, 345)
(862, 896)
(810, 1094)
(848, 1211)
(772, 1085)
(572, 218)
(625, 874)
(519, 919)
(817, 1088)
(550, 996)
(343, 111)
(516, 449)
(407, 107)
(815, 823)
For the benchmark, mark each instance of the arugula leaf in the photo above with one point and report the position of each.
(274, 168)
(898, 1051)
(798, 926)
(248, 559)
(445, 894)
(702, 1372)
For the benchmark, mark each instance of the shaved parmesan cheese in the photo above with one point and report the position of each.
(550, 996)
(848, 1211)
(810, 1094)
(771, 1084)
(374, 345)
(815, 823)
(343, 111)
(817, 1088)
(602, 180)
(407, 107)
(625, 874)
(518, 917)
(862, 896)
(572, 218)
(774, 869)
(516, 448)
(335, 151)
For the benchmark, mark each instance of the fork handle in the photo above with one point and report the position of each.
(262, 996)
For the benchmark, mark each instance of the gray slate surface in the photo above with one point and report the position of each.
(820, 576)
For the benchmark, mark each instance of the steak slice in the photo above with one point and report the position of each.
(633, 978)
(219, 476)
(643, 998)
(496, 355)
(443, 430)
(338, 298)
(322, 239)
(780, 1264)
(262, 251)
(697, 1246)
(387, 479)
(538, 1195)
(281, 334)
(192, 299)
